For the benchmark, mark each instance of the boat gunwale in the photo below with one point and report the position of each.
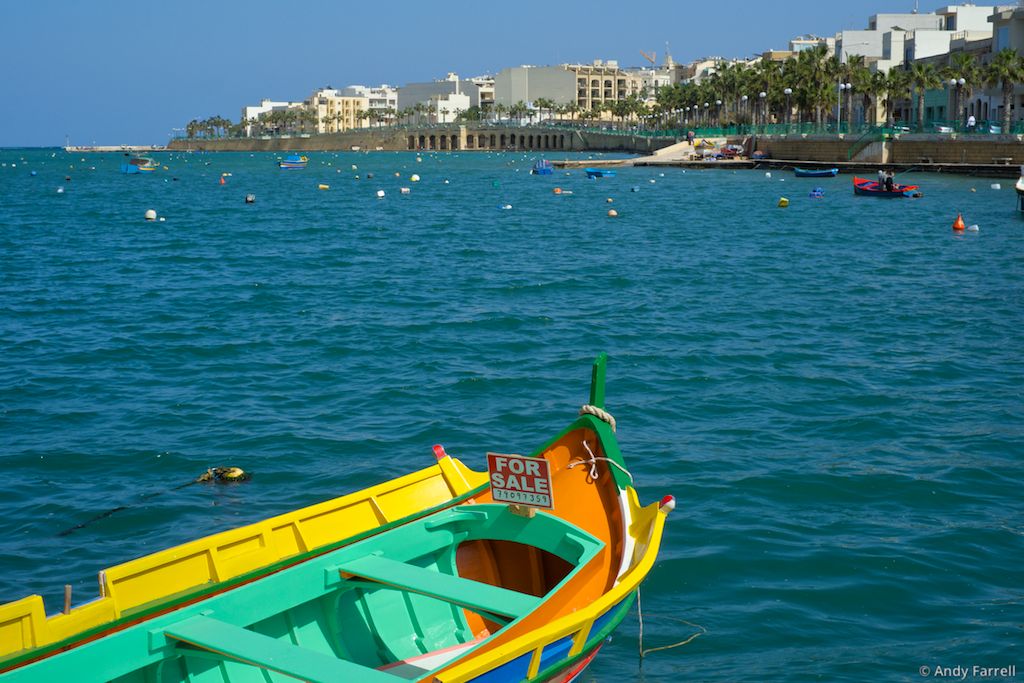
(158, 607)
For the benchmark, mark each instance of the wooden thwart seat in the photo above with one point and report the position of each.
(467, 593)
(249, 647)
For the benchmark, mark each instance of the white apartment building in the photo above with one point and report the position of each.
(252, 112)
(383, 100)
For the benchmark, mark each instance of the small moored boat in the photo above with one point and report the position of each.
(139, 165)
(430, 577)
(815, 172)
(599, 173)
(292, 161)
(542, 167)
(872, 188)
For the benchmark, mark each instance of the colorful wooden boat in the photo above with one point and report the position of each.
(139, 165)
(872, 188)
(815, 172)
(292, 162)
(542, 167)
(423, 578)
(599, 173)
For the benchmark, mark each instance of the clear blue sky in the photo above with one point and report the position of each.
(128, 71)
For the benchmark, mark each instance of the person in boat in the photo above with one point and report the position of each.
(890, 181)
(881, 178)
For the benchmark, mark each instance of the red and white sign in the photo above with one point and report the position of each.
(520, 480)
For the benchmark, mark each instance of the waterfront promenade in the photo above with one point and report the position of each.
(985, 155)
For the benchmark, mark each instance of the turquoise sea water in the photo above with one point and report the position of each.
(834, 392)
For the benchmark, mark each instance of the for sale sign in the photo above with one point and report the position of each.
(520, 480)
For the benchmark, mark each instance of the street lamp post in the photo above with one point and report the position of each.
(764, 111)
(957, 83)
(789, 110)
(743, 100)
(707, 116)
(843, 87)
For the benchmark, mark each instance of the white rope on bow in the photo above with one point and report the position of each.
(593, 463)
(599, 413)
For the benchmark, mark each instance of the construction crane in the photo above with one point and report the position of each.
(652, 58)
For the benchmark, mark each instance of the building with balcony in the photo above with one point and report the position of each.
(807, 42)
(603, 82)
(383, 100)
(336, 112)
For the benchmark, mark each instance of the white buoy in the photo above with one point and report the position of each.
(445, 181)
(652, 181)
(505, 207)
(150, 215)
(972, 228)
(767, 174)
(996, 186)
(162, 219)
(354, 167)
(60, 190)
(414, 178)
(380, 194)
(404, 190)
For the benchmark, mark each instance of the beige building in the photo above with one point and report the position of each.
(336, 112)
(603, 82)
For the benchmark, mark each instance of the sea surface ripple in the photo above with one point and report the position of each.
(834, 391)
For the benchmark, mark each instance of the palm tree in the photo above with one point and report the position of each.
(1005, 70)
(542, 104)
(897, 88)
(871, 87)
(962, 65)
(924, 77)
(855, 74)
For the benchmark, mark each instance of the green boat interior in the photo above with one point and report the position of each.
(381, 609)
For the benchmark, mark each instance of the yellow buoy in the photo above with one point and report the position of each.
(783, 202)
(609, 200)
(321, 186)
(414, 178)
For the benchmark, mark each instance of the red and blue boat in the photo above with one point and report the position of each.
(872, 188)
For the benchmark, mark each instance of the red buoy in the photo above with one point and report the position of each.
(958, 224)
(222, 180)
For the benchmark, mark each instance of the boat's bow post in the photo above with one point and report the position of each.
(597, 375)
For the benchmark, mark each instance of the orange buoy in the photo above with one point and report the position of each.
(557, 190)
(958, 224)
(222, 182)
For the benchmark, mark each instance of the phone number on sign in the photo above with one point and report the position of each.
(505, 496)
